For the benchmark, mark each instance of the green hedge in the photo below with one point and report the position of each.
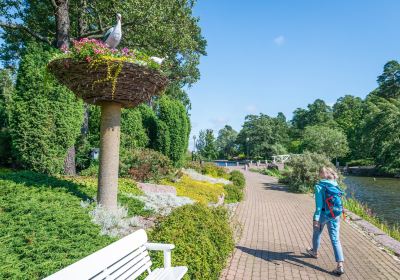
(45, 117)
(203, 240)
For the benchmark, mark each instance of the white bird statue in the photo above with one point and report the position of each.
(157, 59)
(114, 34)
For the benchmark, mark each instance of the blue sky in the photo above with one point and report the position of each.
(275, 56)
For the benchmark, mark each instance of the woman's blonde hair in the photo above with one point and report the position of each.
(328, 173)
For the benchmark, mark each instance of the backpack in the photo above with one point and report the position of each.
(333, 200)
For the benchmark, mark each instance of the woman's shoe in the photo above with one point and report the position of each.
(311, 252)
(339, 270)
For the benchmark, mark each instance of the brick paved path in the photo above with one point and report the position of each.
(277, 229)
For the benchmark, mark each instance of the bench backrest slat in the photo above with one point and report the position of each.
(120, 256)
(136, 270)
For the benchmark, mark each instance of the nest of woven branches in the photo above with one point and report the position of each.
(118, 81)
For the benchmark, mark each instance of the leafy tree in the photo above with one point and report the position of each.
(226, 142)
(174, 124)
(162, 28)
(266, 136)
(348, 112)
(317, 113)
(381, 134)
(389, 81)
(45, 117)
(325, 140)
(206, 145)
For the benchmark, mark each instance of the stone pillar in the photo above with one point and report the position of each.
(109, 155)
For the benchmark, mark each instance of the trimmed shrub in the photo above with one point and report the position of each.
(202, 236)
(45, 117)
(145, 165)
(175, 125)
(303, 171)
(233, 193)
(237, 178)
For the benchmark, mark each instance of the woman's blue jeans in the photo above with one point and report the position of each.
(333, 229)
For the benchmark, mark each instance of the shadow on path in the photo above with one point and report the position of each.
(276, 187)
(276, 257)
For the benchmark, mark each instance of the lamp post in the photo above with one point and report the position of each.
(247, 146)
(194, 147)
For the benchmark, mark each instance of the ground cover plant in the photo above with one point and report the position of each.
(202, 236)
(44, 226)
(203, 192)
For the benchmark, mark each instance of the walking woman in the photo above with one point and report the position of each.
(328, 211)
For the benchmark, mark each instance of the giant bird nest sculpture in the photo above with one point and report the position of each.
(126, 83)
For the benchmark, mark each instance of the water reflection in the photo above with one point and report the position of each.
(382, 195)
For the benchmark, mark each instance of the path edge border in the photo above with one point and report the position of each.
(379, 236)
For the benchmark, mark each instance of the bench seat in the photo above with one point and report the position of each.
(127, 258)
(171, 273)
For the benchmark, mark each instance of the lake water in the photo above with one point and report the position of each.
(382, 195)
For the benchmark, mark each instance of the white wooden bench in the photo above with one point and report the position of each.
(127, 258)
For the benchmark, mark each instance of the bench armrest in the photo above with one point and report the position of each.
(159, 246)
(166, 248)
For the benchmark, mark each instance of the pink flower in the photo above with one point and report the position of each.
(88, 59)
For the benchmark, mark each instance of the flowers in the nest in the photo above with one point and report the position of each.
(92, 50)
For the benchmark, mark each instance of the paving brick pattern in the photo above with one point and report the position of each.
(277, 228)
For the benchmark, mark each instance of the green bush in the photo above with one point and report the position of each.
(173, 125)
(91, 171)
(145, 165)
(45, 117)
(195, 165)
(202, 236)
(233, 193)
(237, 178)
(214, 170)
(304, 171)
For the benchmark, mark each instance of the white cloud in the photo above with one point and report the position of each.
(251, 109)
(219, 121)
(280, 40)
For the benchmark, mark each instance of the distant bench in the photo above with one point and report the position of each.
(127, 258)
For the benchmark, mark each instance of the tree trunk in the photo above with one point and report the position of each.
(109, 155)
(82, 23)
(62, 24)
(82, 28)
(61, 12)
(69, 162)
